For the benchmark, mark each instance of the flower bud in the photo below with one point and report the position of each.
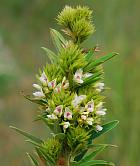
(99, 128)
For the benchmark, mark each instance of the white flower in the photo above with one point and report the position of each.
(58, 110)
(83, 117)
(86, 75)
(66, 125)
(97, 49)
(58, 88)
(90, 106)
(68, 113)
(38, 87)
(78, 99)
(100, 110)
(43, 79)
(78, 76)
(39, 94)
(99, 106)
(89, 121)
(99, 128)
(99, 86)
(52, 84)
(52, 116)
(100, 113)
(65, 83)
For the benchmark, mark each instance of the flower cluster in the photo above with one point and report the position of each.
(80, 111)
(47, 86)
(79, 76)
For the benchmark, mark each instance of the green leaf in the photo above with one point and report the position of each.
(42, 102)
(55, 127)
(34, 162)
(60, 136)
(81, 155)
(95, 162)
(92, 79)
(107, 127)
(58, 39)
(89, 55)
(52, 56)
(99, 145)
(99, 61)
(43, 157)
(34, 143)
(92, 154)
(35, 139)
(47, 159)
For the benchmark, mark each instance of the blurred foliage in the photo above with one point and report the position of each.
(24, 27)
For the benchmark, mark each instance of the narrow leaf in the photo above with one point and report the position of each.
(46, 157)
(96, 162)
(58, 39)
(42, 102)
(34, 162)
(42, 157)
(99, 145)
(92, 154)
(60, 136)
(92, 79)
(35, 139)
(107, 127)
(89, 55)
(34, 143)
(80, 156)
(51, 55)
(99, 61)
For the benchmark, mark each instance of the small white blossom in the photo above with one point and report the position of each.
(43, 79)
(36, 86)
(100, 110)
(89, 121)
(78, 99)
(83, 117)
(65, 83)
(66, 125)
(58, 110)
(52, 84)
(90, 106)
(58, 88)
(97, 49)
(99, 128)
(39, 94)
(68, 113)
(100, 113)
(52, 116)
(78, 76)
(86, 75)
(99, 106)
(99, 86)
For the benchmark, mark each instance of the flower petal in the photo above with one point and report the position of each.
(43, 79)
(38, 87)
(39, 94)
(99, 128)
(68, 113)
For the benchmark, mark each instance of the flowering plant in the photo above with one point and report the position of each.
(69, 93)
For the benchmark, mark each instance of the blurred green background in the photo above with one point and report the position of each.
(24, 28)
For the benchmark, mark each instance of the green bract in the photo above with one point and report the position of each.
(69, 94)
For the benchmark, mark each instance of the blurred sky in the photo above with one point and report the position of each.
(24, 29)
